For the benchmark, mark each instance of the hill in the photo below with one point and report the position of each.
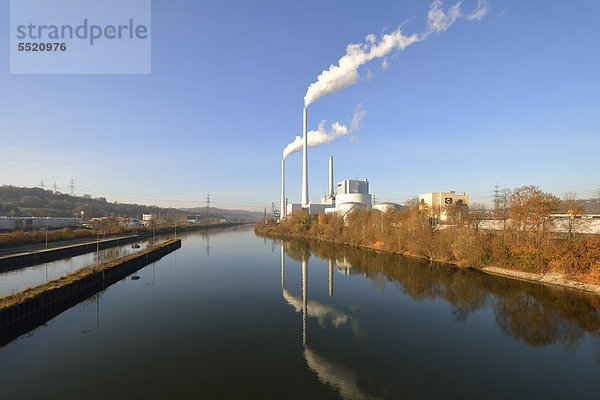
(213, 212)
(37, 202)
(591, 206)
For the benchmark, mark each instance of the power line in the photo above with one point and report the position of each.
(72, 186)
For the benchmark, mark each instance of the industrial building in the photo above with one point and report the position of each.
(34, 223)
(346, 196)
(438, 202)
(342, 198)
(387, 206)
(351, 195)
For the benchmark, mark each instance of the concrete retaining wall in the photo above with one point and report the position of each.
(23, 317)
(22, 260)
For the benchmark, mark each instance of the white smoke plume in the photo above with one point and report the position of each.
(345, 73)
(439, 20)
(480, 12)
(322, 135)
(340, 76)
(318, 137)
(359, 114)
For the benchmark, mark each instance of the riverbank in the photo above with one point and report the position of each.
(20, 311)
(555, 279)
(20, 239)
(477, 248)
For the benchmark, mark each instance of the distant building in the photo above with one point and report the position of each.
(35, 223)
(346, 196)
(439, 202)
(387, 206)
(146, 217)
(351, 195)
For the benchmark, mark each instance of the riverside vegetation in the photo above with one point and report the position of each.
(527, 241)
(104, 226)
(19, 237)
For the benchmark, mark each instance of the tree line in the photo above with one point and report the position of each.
(527, 240)
(37, 202)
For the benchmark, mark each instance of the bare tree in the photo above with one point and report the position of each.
(477, 213)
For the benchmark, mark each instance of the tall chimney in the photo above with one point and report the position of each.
(331, 176)
(304, 164)
(282, 216)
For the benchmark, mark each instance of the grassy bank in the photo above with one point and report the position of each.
(412, 232)
(18, 238)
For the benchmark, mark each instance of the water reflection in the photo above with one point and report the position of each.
(330, 372)
(339, 376)
(97, 298)
(206, 240)
(535, 314)
(408, 330)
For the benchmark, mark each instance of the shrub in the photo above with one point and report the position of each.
(67, 233)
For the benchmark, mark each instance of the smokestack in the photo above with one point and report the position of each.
(283, 210)
(330, 176)
(304, 163)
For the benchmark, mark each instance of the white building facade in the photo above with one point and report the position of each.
(438, 202)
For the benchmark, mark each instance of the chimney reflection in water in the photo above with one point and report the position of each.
(330, 277)
(304, 298)
(304, 285)
(282, 264)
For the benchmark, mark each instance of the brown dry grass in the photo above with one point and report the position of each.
(19, 237)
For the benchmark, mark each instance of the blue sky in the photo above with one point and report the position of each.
(511, 99)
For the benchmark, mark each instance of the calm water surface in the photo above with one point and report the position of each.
(232, 315)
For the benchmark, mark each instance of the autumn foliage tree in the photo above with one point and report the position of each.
(528, 243)
(530, 210)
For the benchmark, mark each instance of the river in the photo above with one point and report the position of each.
(234, 315)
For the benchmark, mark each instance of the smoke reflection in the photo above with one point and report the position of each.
(335, 374)
(535, 314)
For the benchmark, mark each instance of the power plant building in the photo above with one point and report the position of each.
(342, 198)
(351, 195)
(387, 206)
(345, 197)
(437, 202)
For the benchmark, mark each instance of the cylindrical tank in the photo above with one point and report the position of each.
(361, 198)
